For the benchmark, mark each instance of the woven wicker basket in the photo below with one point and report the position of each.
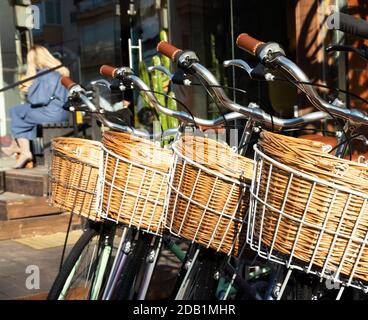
(134, 181)
(208, 198)
(308, 208)
(74, 174)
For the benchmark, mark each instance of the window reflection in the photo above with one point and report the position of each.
(97, 40)
(87, 5)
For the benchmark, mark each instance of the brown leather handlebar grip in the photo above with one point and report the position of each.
(108, 71)
(67, 82)
(248, 43)
(168, 50)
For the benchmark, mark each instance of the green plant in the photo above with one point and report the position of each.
(159, 83)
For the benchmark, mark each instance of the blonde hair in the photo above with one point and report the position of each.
(39, 57)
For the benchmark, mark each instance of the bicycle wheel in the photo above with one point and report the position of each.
(76, 277)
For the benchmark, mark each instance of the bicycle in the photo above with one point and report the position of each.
(190, 61)
(128, 79)
(77, 95)
(187, 60)
(82, 274)
(277, 58)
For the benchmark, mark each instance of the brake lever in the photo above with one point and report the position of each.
(101, 82)
(362, 51)
(161, 69)
(259, 72)
(240, 64)
(179, 77)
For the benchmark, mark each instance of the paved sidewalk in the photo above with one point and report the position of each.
(15, 258)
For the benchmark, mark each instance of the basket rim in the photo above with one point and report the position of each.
(178, 154)
(77, 139)
(316, 151)
(307, 176)
(134, 163)
(67, 157)
(132, 137)
(60, 151)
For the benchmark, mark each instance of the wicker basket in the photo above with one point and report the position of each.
(134, 181)
(73, 175)
(208, 197)
(309, 209)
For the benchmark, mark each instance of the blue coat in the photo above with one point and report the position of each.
(45, 100)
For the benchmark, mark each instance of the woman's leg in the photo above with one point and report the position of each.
(23, 131)
(25, 153)
(24, 126)
(21, 124)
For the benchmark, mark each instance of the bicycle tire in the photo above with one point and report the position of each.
(70, 262)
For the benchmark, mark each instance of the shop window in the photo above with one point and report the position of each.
(52, 9)
(98, 36)
(86, 5)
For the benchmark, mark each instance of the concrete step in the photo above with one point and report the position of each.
(20, 228)
(31, 182)
(17, 206)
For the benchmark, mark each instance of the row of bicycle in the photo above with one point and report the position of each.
(296, 211)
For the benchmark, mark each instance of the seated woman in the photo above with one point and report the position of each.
(45, 100)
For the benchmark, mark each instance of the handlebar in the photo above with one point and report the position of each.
(252, 111)
(248, 43)
(271, 55)
(127, 75)
(168, 50)
(347, 114)
(80, 94)
(108, 71)
(349, 24)
(67, 82)
(181, 115)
